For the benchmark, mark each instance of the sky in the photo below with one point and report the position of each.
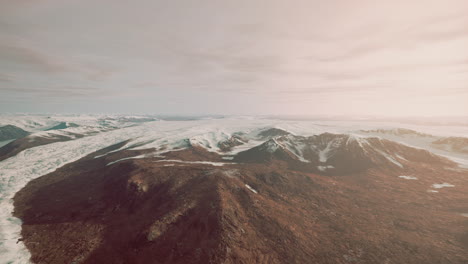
(247, 57)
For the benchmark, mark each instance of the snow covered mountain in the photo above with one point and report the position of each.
(339, 153)
(452, 147)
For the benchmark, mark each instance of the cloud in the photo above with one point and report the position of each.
(336, 88)
(6, 78)
(443, 35)
(100, 75)
(235, 51)
(20, 57)
(64, 92)
(353, 53)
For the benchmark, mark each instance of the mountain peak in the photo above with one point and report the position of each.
(338, 153)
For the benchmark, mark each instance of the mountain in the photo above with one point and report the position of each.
(398, 132)
(455, 144)
(234, 141)
(272, 132)
(65, 131)
(450, 146)
(327, 198)
(9, 132)
(338, 153)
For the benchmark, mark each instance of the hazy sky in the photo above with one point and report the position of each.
(327, 57)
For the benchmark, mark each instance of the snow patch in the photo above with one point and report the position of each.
(129, 158)
(231, 173)
(324, 168)
(295, 147)
(217, 164)
(400, 157)
(442, 185)
(272, 145)
(250, 188)
(390, 158)
(359, 139)
(408, 177)
(323, 154)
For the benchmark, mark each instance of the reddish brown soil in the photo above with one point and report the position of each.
(142, 211)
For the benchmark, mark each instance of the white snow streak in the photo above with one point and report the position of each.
(442, 185)
(408, 177)
(217, 164)
(129, 158)
(324, 168)
(250, 188)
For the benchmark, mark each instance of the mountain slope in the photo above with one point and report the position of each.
(9, 132)
(186, 206)
(455, 144)
(451, 146)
